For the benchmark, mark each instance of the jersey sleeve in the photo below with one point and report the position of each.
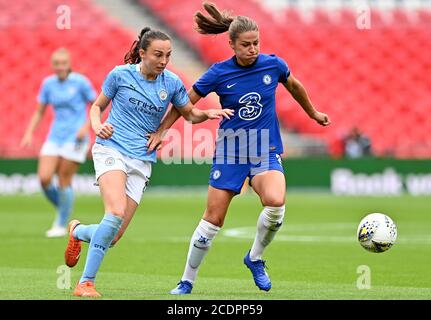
(43, 96)
(88, 90)
(207, 83)
(110, 85)
(180, 97)
(284, 70)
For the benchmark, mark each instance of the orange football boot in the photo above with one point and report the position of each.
(73, 249)
(86, 289)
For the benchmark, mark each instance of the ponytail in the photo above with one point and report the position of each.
(217, 22)
(144, 40)
(222, 21)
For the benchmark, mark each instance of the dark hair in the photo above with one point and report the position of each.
(222, 21)
(146, 36)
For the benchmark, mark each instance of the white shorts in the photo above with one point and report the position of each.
(72, 151)
(138, 172)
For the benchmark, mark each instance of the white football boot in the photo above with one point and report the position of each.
(56, 232)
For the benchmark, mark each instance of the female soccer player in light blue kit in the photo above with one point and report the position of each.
(67, 144)
(140, 91)
(245, 83)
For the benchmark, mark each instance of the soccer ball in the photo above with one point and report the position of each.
(377, 232)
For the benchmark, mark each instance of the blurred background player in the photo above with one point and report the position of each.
(67, 143)
(246, 83)
(140, 91)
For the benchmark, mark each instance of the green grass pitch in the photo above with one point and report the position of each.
(314, 256)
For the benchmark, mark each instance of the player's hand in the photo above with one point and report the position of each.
(27, 140)
(322, 118)
(154, 141)
(103, 130)
(217, 113)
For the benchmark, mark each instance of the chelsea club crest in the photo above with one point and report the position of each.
(267, 79)
(216, 174)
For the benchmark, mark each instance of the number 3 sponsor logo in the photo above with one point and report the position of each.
(252, 107)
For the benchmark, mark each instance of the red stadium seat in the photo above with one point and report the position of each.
(377, 80)
(96, 41)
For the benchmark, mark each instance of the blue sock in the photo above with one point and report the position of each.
(51, 192)
(65, 202)
(84, 233)
(99, 245)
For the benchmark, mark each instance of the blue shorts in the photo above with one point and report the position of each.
(231, 177)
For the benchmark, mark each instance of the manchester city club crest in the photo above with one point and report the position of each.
(267, 79)
(109, 161)
(163, 94)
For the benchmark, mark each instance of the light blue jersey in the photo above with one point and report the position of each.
(69, 99)
(138, 106)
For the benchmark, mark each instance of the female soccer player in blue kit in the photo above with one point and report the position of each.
(140, 91)
(245, 83)
(67, 143)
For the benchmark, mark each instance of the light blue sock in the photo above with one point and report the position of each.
(84, 233)
(99, 245)
(51, 192)
(65, 202)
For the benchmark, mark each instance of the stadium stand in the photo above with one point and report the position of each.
(96, 41)
(376, 79)
(28, 39)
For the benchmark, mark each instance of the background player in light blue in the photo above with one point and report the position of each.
(67, 143)
(140, 91)
(245, 83)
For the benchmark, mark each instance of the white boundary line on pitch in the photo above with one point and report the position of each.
(283, 235)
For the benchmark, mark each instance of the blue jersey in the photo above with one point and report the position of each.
(69, 98)
(250, 91)
(138, 106)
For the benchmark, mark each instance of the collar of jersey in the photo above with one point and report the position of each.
(235, 61)
(138, 70)
(65, 79)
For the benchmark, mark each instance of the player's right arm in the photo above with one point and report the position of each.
(190, 113)
(174, 114)
(206, 84)
(155, 139)
(102, 130)
(34, 122)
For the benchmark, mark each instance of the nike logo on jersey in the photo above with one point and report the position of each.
(231, 85)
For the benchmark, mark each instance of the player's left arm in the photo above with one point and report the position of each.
(298, 92)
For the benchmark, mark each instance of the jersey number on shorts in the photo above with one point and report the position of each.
(252, 108)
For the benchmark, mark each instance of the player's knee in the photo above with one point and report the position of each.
(214, 218)
(217, 221)
(273, 201)
(214, 215)
(45, 180)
